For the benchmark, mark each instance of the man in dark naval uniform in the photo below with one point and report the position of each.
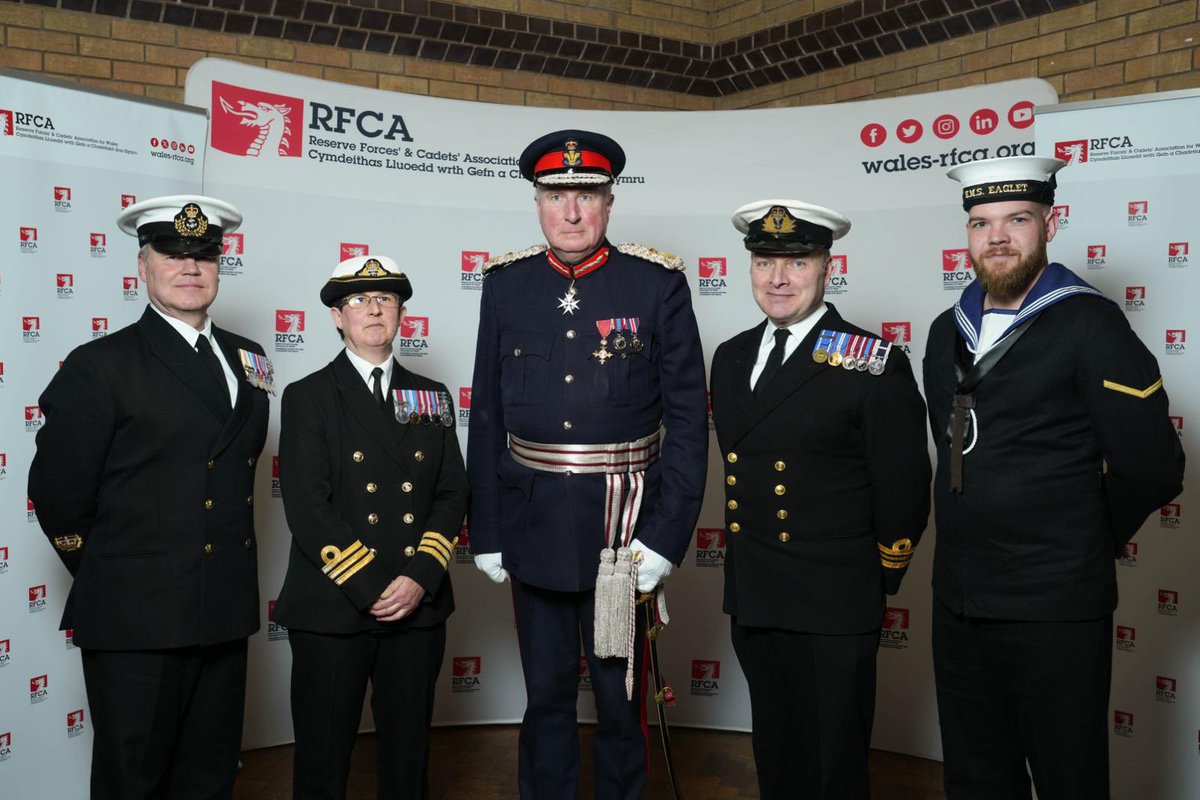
(587, 351)
(375, 493)
(1053, 445)
(144, 483)
(827, 473)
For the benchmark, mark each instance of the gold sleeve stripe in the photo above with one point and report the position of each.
(441, 539)
(445, 562)
(438, 541)
(1129, 390)
(442, 552)
(332, 556)
(898, 555)
(362, 562)
(352, 564)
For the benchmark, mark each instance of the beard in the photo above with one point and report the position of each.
(1015, 281)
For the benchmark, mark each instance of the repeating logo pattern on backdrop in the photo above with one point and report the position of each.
(289, 330)
(706, 675)
(710, 547)
(957, 272)
(894, 633)
(1125, 639)
(233, 249)
(712, 272)
(465, 674)
(471, 269)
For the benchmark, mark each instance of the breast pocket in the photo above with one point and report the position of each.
(625, 378)
(524, 367)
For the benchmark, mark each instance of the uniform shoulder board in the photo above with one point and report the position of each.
(663, 259)
(495, 263)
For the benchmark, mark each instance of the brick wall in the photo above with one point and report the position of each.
(622, 54)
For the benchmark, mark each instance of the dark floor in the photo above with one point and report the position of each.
(480, 763)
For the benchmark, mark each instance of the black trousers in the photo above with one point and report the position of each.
(812, 704)
(329, 682)
(167, 723)
(551, 629)
(1010, 692)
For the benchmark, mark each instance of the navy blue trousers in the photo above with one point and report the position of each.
(552, 627)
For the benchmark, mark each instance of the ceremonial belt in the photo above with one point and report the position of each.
(966, 381)
(616, 458)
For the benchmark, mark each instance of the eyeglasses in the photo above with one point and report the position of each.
(361, 300)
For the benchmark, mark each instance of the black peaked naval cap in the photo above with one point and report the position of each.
(788, 227)
(572, 158)
(181, 224)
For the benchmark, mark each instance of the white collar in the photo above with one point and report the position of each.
(189, 334)
(364, 368)
(799, 329)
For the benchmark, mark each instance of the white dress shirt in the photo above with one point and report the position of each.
(364, 368)
(191, 336)
(798, 331)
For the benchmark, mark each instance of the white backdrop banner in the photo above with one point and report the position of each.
(71, 160)
(323, 171)
(1127, 221)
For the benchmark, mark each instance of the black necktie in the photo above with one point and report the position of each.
(774, 360)
(204, 348)
(377, 387)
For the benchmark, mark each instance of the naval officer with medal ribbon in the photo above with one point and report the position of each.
(822, 436)
(587, 457)
(1053, 446)
(144, 483)
(375, 492)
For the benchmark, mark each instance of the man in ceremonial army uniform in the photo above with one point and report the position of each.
(1053, 445)
(144, 483)
(375, 493)
(822, 434)
(586, 351)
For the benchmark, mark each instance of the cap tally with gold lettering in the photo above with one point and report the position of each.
(182, 224)
(788, 227)
(995, 180)
(365, 274)
(572, 159)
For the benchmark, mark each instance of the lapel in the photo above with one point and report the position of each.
(361, 405)
(798, 370)
(170, 348)
(245, 392)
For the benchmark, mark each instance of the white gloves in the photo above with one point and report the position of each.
(653, 569)
(490, 564)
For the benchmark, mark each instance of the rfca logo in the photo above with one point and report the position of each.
(247, 122)
(127, 200)
(585, 675)
(99, 327)
(710, 547)
(414, 333)
(1176, 341)
(74, 723)
(62, 198)
(465, 673)
(6, 122)
(898, 333)
(1129, 555)
(1168, 602)
(1164, 689)
(894, 633)
(1169, 515)
(64, 283)
(5, 652)
(462, 548)
(1126, 638)
(69, 638)
(289, 330)
(275, 631)
(3, 559)
(98, 244)
(1177, 254)
(1123, 723)
(1139, 212)
(6, 737)
(464, 405)
(233, 247)
(957, 271)
(276, 491)
(1097, 255)
(471, 268)
(30, 512)
(712, 271)
(1064, 216)
(352, 250)
(33, 418)
(129, 287)
(39, 689)
(37, 598)
(705, 677)
(1177, 422)
(838, 275)
(1135, 298)
(1072, 152)
(9, 120)
(31, 329)
(29, 240)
